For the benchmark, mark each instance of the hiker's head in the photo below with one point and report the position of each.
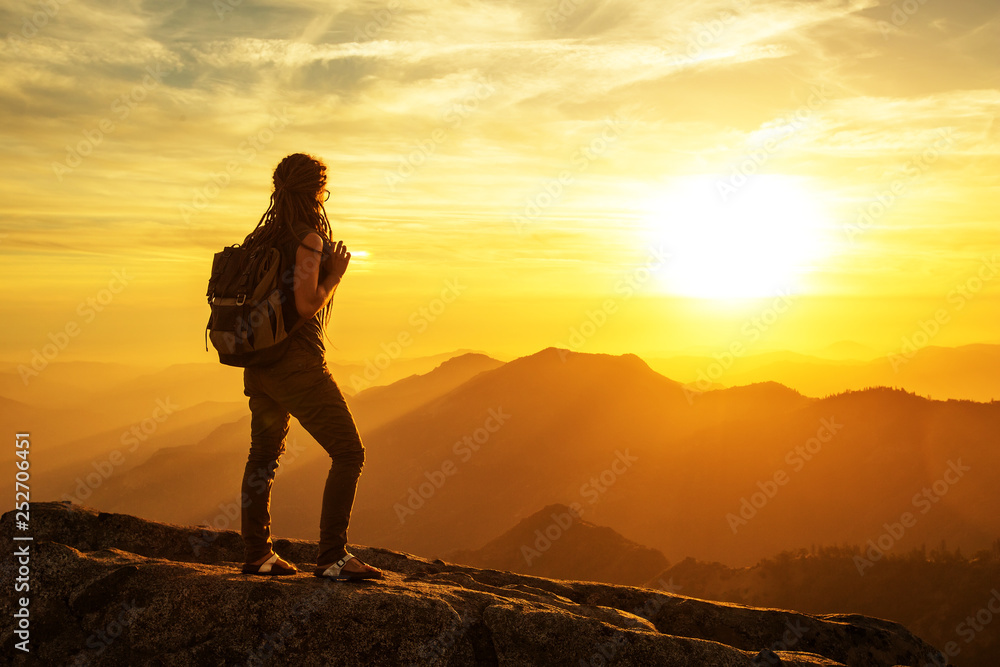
(299, 184)
(300, 176)
(299, 193)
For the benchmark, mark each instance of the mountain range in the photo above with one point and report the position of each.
(459, 455)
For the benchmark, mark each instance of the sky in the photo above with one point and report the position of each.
(606, 176)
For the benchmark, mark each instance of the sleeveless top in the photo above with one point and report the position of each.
(310, 334)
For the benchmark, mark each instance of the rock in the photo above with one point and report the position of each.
(113, 589)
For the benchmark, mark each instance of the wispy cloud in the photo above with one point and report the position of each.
(368, 83)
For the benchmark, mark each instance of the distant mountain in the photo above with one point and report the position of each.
(381, 370)
(557, 542)
(522, 436)
(747, 401)
(76, 468)
(378, 405)
(848, 349)
(191, 483)
(969, 372)
(735, 475)
(706, 369)
(188, 469)
(75, 403)
(51, 426)
(53, 383)
(124, 388)
(183, 384)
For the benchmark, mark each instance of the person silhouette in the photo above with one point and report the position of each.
(299, 382)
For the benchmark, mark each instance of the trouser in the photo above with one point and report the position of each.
(299, 384)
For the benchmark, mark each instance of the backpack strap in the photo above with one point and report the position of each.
(244, 285)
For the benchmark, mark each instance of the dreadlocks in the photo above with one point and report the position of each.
(298, 181)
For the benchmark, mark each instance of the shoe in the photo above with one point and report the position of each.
(275, 565)
(337, 573)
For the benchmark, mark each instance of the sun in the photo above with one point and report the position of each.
(731, 243)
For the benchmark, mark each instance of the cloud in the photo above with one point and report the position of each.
(893, 125)
(516, 88)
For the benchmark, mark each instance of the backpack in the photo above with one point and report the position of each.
(247, 325)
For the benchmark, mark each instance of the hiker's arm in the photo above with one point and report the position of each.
(311, 292)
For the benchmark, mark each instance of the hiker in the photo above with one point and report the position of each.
(299, 382)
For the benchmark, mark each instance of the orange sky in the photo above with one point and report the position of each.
(606, 176)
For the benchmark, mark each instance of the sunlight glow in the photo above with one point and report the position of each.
(724, 244)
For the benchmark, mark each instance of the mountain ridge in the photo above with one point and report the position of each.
(558, 542)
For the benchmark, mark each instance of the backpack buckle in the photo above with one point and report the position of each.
(240, 298)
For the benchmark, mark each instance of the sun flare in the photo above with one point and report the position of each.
(726, 243)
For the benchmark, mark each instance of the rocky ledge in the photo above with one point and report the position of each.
(114, 589)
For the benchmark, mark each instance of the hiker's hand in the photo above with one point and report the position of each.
(337, 261)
